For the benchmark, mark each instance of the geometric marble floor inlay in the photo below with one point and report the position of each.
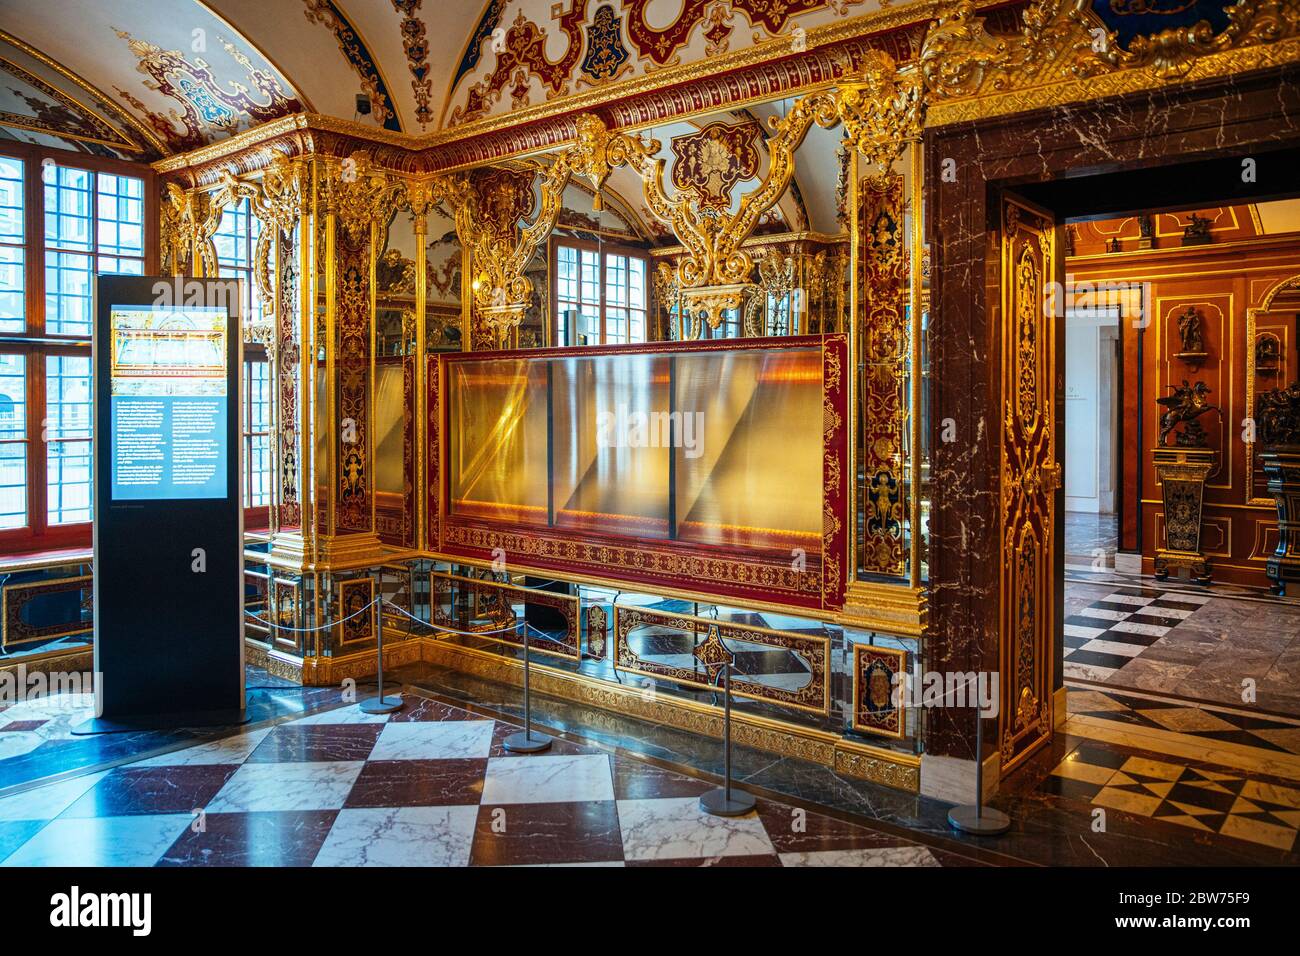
(1223, 802)
(430, 785)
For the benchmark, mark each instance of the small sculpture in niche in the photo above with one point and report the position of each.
(1267, 354)
(1186, 405)
(1146, 231)
(1197, 231)
(1190, 333)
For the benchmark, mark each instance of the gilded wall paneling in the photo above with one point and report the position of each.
(1030, 477)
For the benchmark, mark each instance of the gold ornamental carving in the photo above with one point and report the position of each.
(188, 221)
(1062, 40)
(501, 226)
(359, 194)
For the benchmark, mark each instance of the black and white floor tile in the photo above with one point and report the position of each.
(1109, 633)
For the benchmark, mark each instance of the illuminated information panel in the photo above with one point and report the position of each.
(169, 402)
(169, 529)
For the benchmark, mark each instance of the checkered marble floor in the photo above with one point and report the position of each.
(430, 785)
(1200, 797)
(1111, 632)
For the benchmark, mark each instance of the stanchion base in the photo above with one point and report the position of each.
(381, 705)
(981, 821)
(522, 743)
(716, 802)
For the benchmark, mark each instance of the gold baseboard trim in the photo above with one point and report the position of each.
(283, 666)
(901, 771)
(80, 660)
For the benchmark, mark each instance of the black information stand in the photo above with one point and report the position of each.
(168, 538)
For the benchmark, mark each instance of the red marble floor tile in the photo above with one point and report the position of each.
(287, 838)
(532, 833)
(15, 725)
(291, 743)
(418, 783)
(638, 780)
(795, 830)
(132, 790)
(421, 708)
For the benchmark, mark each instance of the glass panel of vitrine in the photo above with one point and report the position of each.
(498, 441)
(749, 453)
(611, 441)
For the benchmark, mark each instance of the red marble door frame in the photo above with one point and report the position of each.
(1222, 118)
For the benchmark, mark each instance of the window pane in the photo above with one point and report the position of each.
(67, 208)
(68, 283)
(120, 215)
(12, 298)
(257, 442)
(130, 267)
(13, 397)
(13, 485)
(67, 426)
(11, 199)
(636, 283)
(590, 278)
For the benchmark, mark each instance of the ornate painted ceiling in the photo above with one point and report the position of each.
(144, 78)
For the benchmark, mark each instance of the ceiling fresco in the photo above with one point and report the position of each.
(153, 77)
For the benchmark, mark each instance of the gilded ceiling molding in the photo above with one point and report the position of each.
(1062, 43)
(205, 102)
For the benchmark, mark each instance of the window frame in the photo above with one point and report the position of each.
(602, 249)
(36, 344)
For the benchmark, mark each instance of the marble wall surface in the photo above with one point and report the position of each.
(1213, 119)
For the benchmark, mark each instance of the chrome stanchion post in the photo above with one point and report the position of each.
(979, 819)
(527, 742)
(724, 802)
(379, 704)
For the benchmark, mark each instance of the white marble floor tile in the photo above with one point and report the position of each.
(348, 714)
(400, 836)
(569, 778)
(287, 786)
(879, 856)
(102, 841)
(1078, 630)
(1105, 614)
(1179, 612)
(1135, 627)
(1114, 647)
(677, 828)
(18, 742)
(1127, 599)
(1088, 671)
(46, 803)
(434, 740)
(226, 751)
